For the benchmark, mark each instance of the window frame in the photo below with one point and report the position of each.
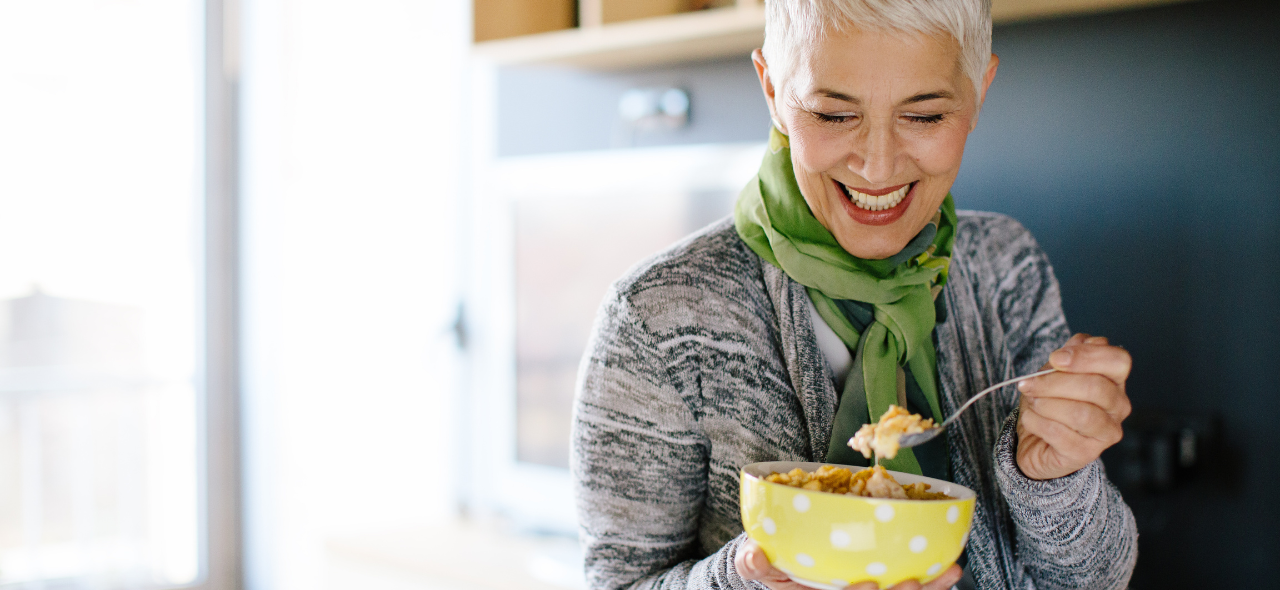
(220, 489)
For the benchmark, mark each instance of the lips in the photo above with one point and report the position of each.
(869, 208)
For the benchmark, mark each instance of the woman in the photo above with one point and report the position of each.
(847, 281)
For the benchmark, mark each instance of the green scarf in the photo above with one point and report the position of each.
(883, 310)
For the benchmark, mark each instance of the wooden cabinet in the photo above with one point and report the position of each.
(612, 34)
(616, 11)
(503, 19)
(624, 33)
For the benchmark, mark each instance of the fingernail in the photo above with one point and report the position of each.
(1060, 358)
(1024, 385)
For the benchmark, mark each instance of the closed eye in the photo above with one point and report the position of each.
(925, 119)
(825, 118)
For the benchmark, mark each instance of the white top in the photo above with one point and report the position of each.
(832, 347)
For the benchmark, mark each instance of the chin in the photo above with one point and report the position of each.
(873, 249)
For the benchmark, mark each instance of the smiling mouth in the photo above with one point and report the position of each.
(876, 202)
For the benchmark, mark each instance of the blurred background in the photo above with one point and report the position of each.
(292, 293)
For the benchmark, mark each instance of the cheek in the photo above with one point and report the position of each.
(815, 148)
(816, 153)
(940, 154)
(811, 157)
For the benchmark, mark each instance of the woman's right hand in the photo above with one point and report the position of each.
(752, 564)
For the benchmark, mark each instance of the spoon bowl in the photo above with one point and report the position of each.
(918, 438)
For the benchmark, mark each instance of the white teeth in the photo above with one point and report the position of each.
(880, 203)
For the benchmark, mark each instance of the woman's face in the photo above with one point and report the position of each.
(877, 123)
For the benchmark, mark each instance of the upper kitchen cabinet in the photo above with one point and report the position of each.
(611, 34)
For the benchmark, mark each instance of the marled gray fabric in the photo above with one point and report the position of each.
(704, 359)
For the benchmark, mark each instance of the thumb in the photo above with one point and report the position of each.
(751, 562)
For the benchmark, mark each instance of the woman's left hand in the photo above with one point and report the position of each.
(1068, 418)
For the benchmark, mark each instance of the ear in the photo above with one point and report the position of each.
(766, 85)
(989, 77)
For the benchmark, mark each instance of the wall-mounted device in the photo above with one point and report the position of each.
(645, 109)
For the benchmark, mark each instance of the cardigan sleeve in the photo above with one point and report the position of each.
(1075, 531)
(640, 467)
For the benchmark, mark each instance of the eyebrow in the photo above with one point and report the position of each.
(926, 96)
(837, 95)
(922, 97)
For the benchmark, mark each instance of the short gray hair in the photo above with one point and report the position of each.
(787, 22)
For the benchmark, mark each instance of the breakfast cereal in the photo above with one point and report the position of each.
(882, 437)
(872, 482)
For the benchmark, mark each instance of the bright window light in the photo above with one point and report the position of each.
(100, 119)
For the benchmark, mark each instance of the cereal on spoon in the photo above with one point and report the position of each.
(882, 437)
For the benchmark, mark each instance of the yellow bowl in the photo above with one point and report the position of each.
(828, 541)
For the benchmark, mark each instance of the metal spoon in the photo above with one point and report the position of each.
(918, 438)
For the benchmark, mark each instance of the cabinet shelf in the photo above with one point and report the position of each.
(708, 34)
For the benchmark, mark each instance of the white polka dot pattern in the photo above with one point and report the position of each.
(822, 540)
(918, 544)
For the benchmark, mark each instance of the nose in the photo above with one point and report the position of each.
(874, 153)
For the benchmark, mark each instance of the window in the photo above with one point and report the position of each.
(102, 307)
(559, 229)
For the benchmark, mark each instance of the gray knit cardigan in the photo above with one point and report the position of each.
(704, 359)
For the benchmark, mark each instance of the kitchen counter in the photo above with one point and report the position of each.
(454, 555)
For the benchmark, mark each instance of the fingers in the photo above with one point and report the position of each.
(1069, 418)
(1091, 371)
(1092, 354)
(1086, 419)
(1072, 448)
(1089, 388)
(1081, 337)
(946, 580)
(753, 564)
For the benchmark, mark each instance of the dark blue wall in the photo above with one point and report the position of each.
(1143, 150)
